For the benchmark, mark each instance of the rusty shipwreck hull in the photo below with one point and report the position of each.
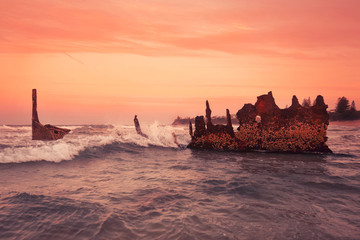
(266, 127)
(44, 132)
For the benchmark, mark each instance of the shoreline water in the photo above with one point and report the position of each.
(107, 182)
(345, 123)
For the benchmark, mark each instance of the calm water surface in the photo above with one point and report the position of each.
(106, 182)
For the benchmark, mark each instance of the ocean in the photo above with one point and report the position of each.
(107, 182)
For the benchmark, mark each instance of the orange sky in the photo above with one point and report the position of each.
(103, 61)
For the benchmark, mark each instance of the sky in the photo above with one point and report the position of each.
(103, 61)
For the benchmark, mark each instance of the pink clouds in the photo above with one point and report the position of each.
(157, 27)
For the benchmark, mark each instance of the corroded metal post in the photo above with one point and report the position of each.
(228, 118)
(209, 124)
(229, 126)
(137, 127)
(34, 108)
(44, 132)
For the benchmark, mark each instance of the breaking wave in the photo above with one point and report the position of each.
(17, 146)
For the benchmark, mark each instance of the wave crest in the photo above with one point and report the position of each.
(20, 147)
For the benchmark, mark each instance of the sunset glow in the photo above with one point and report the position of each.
(105, 61)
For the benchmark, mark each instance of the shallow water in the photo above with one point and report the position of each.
(106, 182)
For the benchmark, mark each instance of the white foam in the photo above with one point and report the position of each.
(158, 135)
(53, 151)
(23, 149)
(14, 128)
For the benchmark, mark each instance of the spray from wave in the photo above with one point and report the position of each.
(17, 145)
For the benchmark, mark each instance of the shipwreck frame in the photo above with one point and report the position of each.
(266, 127)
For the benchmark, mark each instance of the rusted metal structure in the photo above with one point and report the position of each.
(264, 126)
(44, 132)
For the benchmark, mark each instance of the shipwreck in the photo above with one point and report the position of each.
(266, 127)
(44, 132)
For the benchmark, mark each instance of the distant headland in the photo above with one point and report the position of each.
(344, 111)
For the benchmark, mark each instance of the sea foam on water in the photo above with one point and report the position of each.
(18, 146)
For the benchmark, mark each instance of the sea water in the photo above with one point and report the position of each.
(107, 182)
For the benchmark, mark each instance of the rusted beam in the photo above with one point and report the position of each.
(44, 132)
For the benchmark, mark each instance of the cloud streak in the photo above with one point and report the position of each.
(278, 28)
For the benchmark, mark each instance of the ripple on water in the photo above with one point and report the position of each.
(44, 217)
(331, 186)
(180, 167)
(114, 227)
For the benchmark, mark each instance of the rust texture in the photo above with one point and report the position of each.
(264, 126)
(44, 132)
